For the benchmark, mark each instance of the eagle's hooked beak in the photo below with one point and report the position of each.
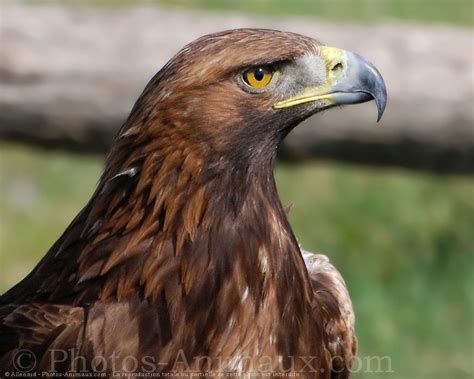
(350, 79)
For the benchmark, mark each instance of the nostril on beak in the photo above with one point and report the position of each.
(337, 68)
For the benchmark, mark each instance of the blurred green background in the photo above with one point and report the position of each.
(402, 240)
(453, 11)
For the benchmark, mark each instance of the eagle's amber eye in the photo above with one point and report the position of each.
(258, 77)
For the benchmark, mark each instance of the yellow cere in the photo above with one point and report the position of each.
(332, 57)
(258, 77)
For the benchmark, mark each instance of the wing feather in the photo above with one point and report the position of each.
(327, 280)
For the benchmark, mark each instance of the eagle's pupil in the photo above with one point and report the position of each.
(259, 74)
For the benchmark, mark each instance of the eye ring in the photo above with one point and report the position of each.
(258, 77)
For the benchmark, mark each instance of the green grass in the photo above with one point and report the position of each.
(453, 11)
(450, 11)
(403, 241)
(39, 195)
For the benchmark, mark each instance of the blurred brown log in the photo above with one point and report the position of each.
(70, 75)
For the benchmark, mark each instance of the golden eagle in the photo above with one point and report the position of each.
(183, 260)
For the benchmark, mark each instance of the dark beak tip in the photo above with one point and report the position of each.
(381, 103)
(380, 108)
(380, 95)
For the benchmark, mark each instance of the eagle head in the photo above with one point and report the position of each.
(238, 93)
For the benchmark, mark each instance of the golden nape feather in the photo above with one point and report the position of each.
(183, 260)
